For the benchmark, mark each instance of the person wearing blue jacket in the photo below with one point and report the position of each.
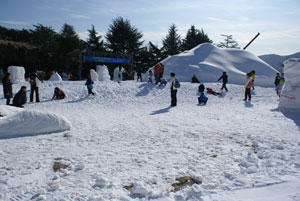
(89, 83)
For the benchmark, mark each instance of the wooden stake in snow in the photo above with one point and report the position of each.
(251, 41)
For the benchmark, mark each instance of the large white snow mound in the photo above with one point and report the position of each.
(55, 77)
(21, 122)
(17, 74)
(103, 74)
(208, 62)
(290, 96)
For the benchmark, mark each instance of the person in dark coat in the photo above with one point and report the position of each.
(58, 94)
(7, 88)
(194, 79)
(34, 88)
(89, 83)
(20, 98)
(139, 75)
(225, 80)
(277, 79)
(173, 89)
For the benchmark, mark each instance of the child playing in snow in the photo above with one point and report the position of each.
(89, 83)
(211, 91)
(58, 94)
(202, 98)
(248, 86)
(163, 82)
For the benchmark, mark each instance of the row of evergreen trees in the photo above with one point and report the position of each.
(43, 48)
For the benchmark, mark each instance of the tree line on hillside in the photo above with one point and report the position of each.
(42, 48)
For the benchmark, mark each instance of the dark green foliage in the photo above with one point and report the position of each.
(172, 42)
(229, 42)
(194, 37)
(93, 42)
(122, 37)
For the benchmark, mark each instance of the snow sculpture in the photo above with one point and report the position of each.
(94, 75)
(117, 75)
(103, 74)
(290, 95)
(17, 74)
(55, 77)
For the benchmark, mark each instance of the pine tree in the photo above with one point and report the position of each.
(229, 42)
(172, 42)
(93, 41)
(122, 37)
(194, 37)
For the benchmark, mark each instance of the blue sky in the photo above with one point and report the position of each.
(276, 20)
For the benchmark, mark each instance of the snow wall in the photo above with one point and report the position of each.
(17, 74)
(290, 95)
(21, 122)
(208, 62)
(117, 75)
(103, 74)
(55, 77)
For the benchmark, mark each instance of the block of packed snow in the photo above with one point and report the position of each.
(290, 95)
(94, 75)
(139, 189)
(103, 74)
(55, 77)
(17, 74)
(117, 75)
(21, 122)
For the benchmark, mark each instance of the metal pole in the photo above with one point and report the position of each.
(251, 41)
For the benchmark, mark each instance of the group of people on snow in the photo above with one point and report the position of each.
(20, 97)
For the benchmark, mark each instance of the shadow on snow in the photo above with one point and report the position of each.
(161, 111)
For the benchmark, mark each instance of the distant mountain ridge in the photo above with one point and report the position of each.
(276, 61)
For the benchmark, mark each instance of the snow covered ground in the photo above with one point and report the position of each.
(128, 144)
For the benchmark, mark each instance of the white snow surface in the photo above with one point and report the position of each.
(290, 96)
(17, 74)
(55, 77)
(21, 122)
(127, 135)
(208, 62)
(103, 74)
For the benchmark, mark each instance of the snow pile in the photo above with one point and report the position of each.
(55, 77)
(290, 96)
(117, 75)
(94, 75)
(103, 74)
(22, 122)
(17, 74)
(208, 62)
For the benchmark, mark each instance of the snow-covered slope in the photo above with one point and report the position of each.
(276, 61)
(208, 62)
(126, 143)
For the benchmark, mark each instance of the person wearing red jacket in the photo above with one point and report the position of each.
(58, 94)
(157, 73)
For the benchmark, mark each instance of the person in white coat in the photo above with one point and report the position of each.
(173, 89)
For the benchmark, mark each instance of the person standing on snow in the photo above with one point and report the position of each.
(7, 88)
(248, 86)
(253, 77)
(280, 85)
(150, 74)
(173, 86)
(33, 79)
(277, 79)
(20, 98)
(139, 75)
(89, 83)
(157, 73)
(224, 76)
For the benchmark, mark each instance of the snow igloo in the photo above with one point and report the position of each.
(290, 95)
(17, 74)
(55, 77)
